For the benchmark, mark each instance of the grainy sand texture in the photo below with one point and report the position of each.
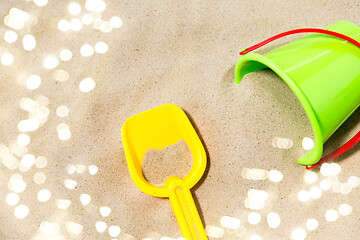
(159, 165)
(64, 98)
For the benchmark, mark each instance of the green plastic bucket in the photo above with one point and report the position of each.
(323, 72)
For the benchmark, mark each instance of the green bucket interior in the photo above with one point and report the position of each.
(323, 72)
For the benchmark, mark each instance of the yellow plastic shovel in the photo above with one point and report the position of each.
(158, 128)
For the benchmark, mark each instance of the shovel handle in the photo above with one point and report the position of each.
(185, 210)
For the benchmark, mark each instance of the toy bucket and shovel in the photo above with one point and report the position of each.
(324, 73)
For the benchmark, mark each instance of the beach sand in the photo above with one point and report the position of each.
(176, 52)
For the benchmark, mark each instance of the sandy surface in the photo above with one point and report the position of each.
(180, 52)
(160, 164)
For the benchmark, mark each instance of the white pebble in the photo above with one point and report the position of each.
(44, 195)
(336, 187)
(63, 25)
(105, 211)
(259, 195)
(255, 237)
(50, 62)
(345, 188)
(65, 55)
(63, 203)
(299, 234)
(87, 85)
(254, 204)
(74, 8)
(70, 184)
(289, 144)
(28, 160)
(74, 227)
(12, 199)
(254, 218)
(335, 169)
(304, 196)
(282, 142)
(325, 184)
(315, 192)
(275, 176)
(10, 36)
(21, 211)
(240, 231)
(214, 232)
(331, 215)
(40, 3)
(86, 50)
(100, 226)
(254, 174)
(310, 177)
(40, 162)
(49, 228)
(87, 19)
(116, 22)
(308, 143)
(23, 139)
(29, 42)
(80, 168)
(230, 222)
(76, 24)
(101, 47)
(325, 169)
(7, 59)
(114, 231)
(273, 220)
(62, 111)
(93, 169)
(353, 181)
(345, 209)
(85, 199)
(70, 168)
(39, 178)
(33, 82)
(312, 224)
(64, 134)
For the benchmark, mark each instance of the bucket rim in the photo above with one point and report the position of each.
(314, 155)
